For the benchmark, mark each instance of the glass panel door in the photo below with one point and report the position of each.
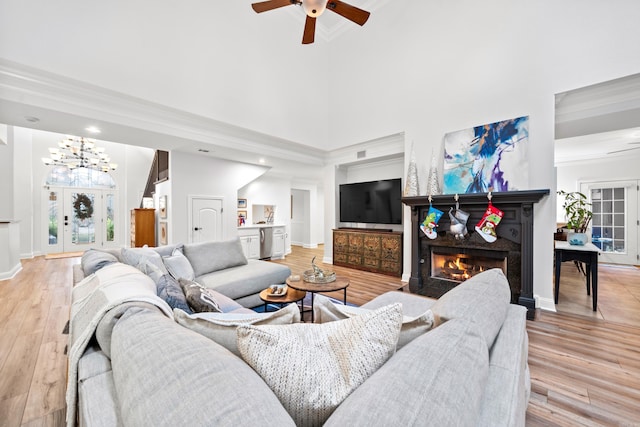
(82, 219)
(614, 227)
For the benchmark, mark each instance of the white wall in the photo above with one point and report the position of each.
(7, 177)
(452, 65)
(24, 189)
(191, 174)
(218, 59)
(570, 176)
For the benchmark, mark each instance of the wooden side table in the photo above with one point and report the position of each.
(292, 295)
(341, 283)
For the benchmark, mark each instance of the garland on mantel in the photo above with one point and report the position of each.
(82, 206)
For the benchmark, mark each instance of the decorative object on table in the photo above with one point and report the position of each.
(74, 152)
(430, 223)
(317, 275)
(411, 185)
(490, 220)
(294, 278)
(313, 9)
(163, 206)
(277, 290)
(433, 182)
(458, 219)
(491, 157)
(578, 213)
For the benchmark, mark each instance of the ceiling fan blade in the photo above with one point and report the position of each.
(265, 6)
(345, 10)
(309, 30)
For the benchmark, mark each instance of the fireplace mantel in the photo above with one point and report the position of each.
(516, 226)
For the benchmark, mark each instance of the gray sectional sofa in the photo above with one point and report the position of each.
(219, 265)
(138, 363)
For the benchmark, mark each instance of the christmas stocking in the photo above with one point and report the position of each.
(487, 225)
(458, 225)
(430, 223)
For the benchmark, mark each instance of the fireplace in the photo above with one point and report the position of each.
(457, 265)
(440, 264)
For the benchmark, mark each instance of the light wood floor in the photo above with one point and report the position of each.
(585, 368)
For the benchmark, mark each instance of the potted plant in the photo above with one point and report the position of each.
(578, 213)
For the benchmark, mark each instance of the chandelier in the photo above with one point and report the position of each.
(74, 152)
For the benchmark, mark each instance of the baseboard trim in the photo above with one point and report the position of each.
(547, 304)
(11, 273)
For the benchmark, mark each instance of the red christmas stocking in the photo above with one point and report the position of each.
(487, 225)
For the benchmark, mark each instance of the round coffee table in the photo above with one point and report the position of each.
(341, 283)
(292, 295)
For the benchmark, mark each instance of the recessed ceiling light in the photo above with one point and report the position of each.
(92, 129)
(261, 161)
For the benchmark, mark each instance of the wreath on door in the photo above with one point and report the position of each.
(82, 206)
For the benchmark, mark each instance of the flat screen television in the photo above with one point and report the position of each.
(376, 202)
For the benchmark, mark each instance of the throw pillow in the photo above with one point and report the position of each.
(312, 367)
(137, 257)
(206, 257)
(221, 327)
(198, 297)
(178, 265)
(170, 291)
(325, 310)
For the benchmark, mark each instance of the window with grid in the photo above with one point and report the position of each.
(608, 223)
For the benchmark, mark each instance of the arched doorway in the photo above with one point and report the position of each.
(80, 210)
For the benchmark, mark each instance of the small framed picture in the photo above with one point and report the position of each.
(163, 207)
(242, 203)
(163, 233)
(242, 217)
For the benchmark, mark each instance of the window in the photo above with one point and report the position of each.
(80, 177)
(608, 223)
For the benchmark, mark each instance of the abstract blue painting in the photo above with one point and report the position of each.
(485, 158)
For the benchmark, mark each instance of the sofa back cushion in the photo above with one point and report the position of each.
(167, 375)
(483, 299)
(95, 259)
(438, 379)
(206, 257)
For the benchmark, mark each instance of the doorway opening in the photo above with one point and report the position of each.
(80, 210)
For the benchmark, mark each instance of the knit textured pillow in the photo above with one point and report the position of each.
(312, 368)
(325, 310)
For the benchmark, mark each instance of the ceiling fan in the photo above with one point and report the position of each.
(313, 9)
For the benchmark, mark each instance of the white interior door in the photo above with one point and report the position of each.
(206, 219)
(614, 226)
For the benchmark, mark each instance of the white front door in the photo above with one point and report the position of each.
(614, 226)
(82, 219)
(206, 219)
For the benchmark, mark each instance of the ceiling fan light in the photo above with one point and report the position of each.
(314, 8)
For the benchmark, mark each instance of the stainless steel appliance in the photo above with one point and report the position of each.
(266, 242)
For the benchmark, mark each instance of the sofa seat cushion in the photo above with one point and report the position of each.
(221, 327)
(325, 310)
(483, 299)
(438, 379)
(313, 367)
(206, 257)
(165, 374)
(240, 281)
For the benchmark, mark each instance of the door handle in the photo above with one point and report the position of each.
(198, 228)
